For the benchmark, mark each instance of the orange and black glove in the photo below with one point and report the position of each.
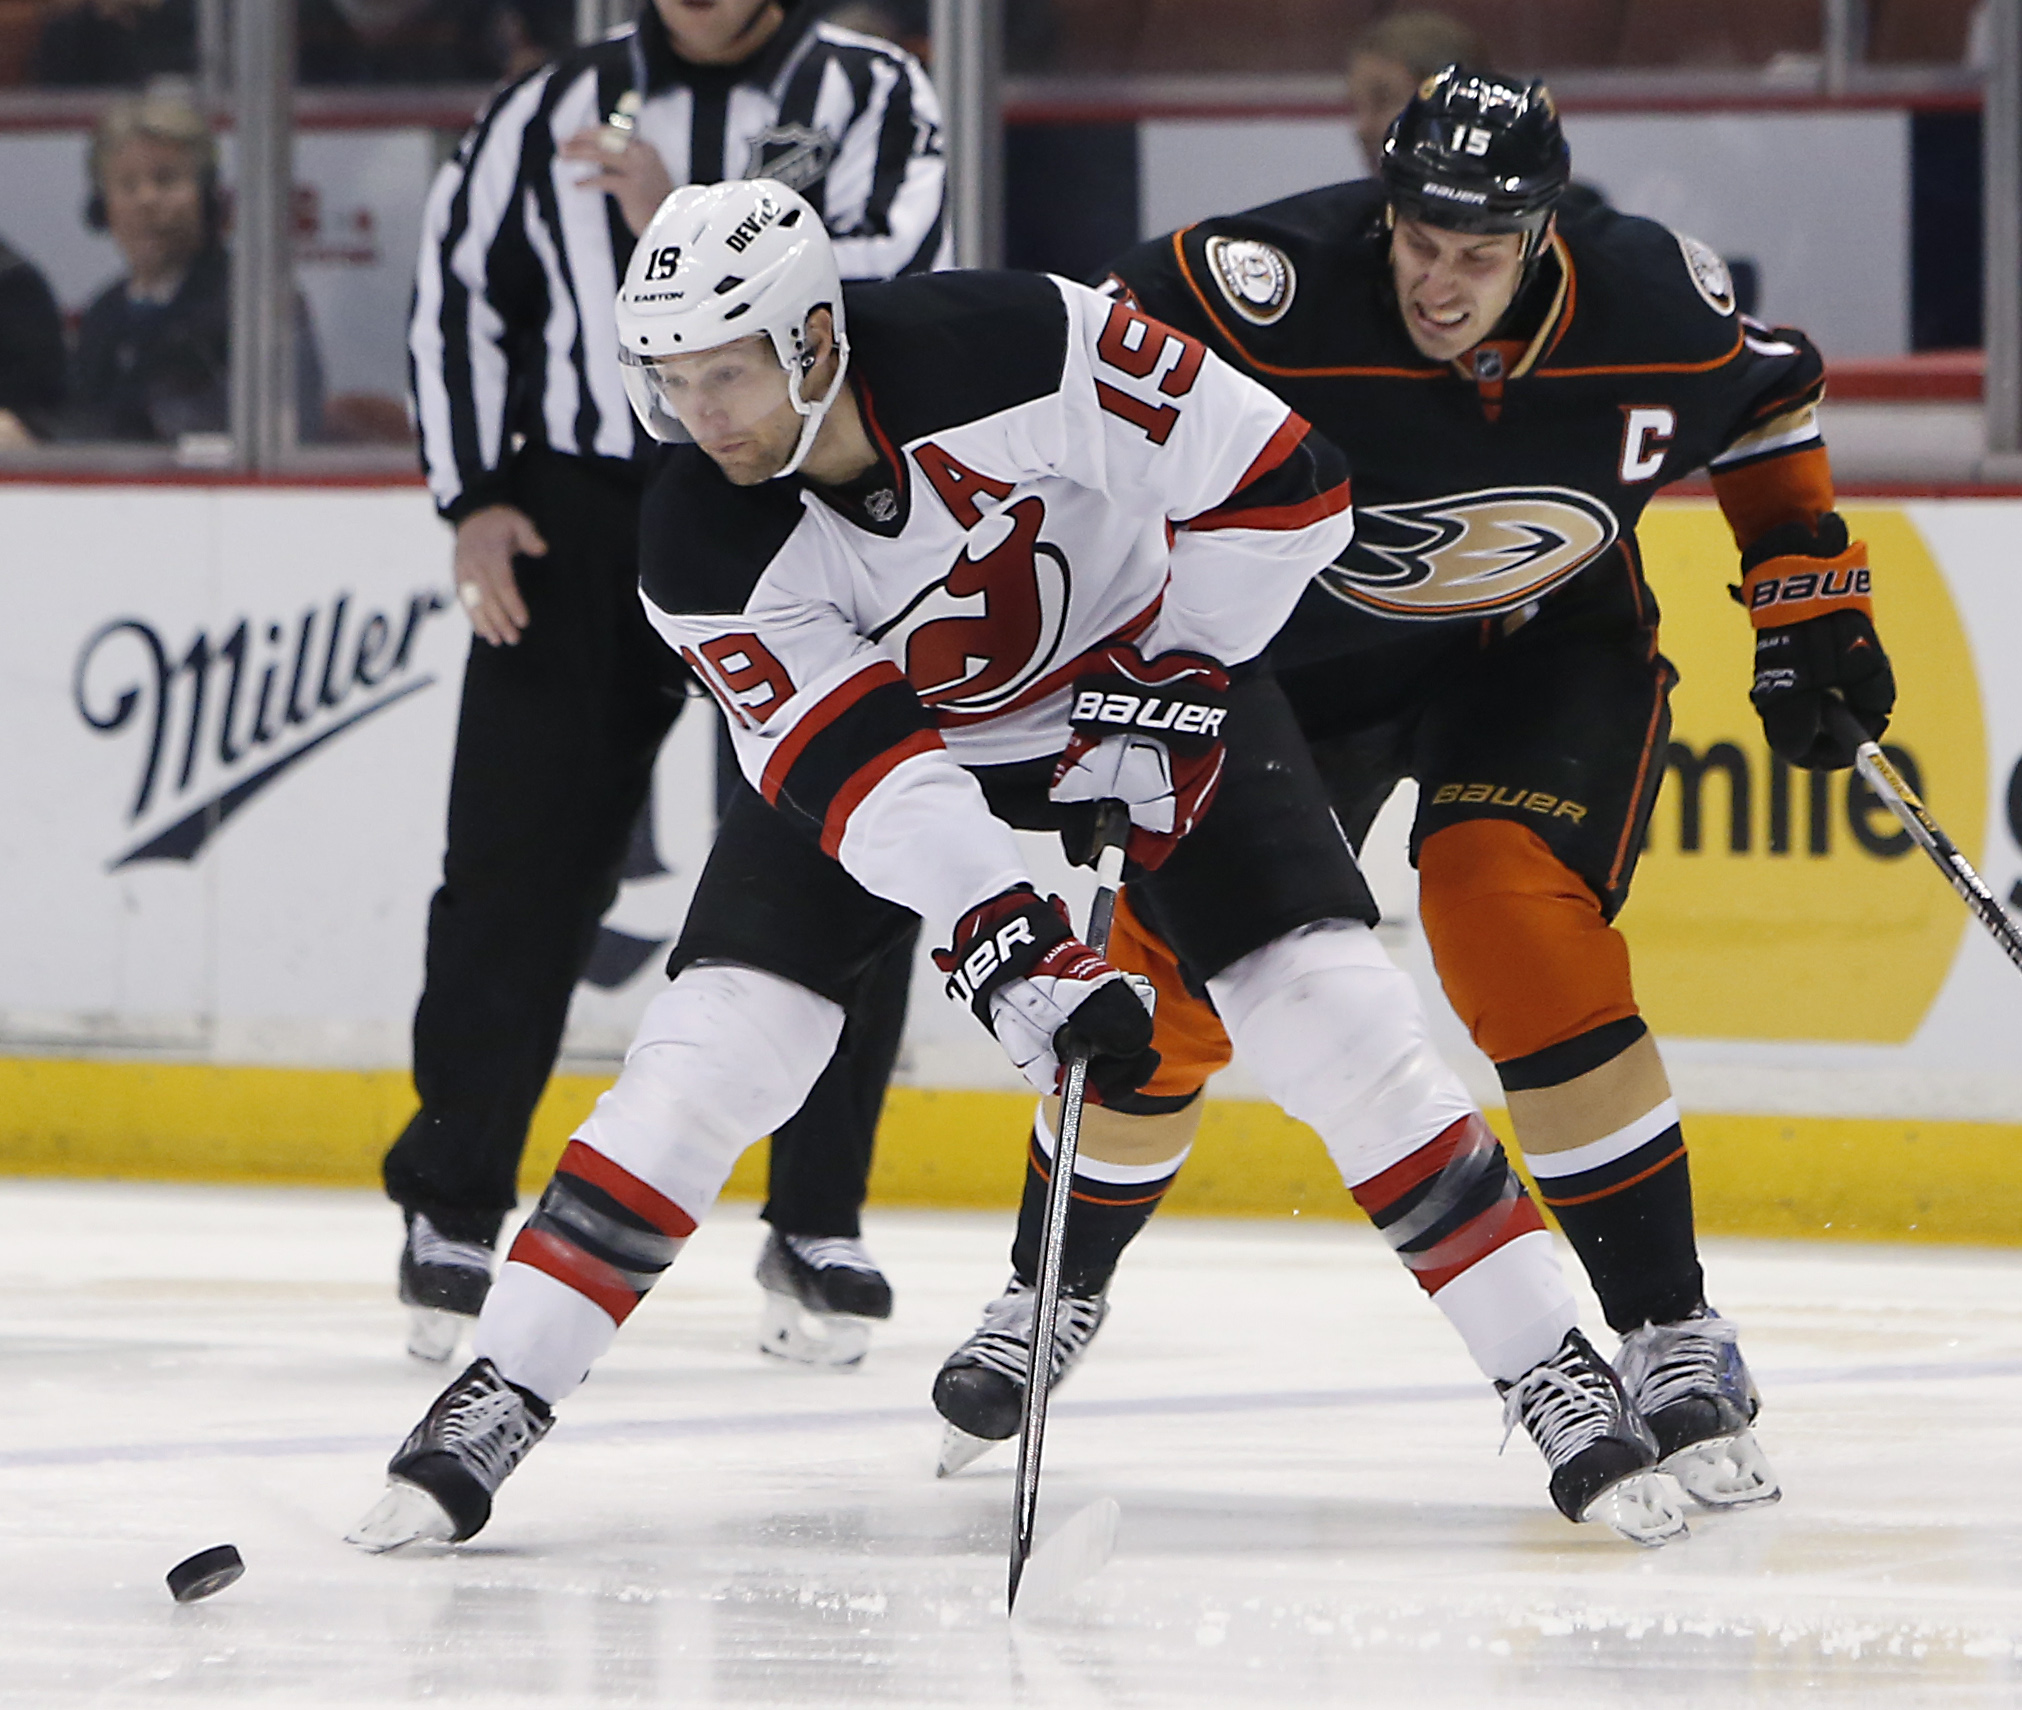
(1807, 593)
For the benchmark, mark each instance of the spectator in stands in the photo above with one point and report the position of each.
(31, 352)
(1392, 57)
(116, 42)
(429, 41)
(152, 352)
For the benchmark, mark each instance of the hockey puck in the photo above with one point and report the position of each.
(205, 1574)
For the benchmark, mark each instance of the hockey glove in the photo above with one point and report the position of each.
(1149, 736)
(1042, 992)
(1806, 591)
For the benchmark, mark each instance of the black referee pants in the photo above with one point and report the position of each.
(555, 747)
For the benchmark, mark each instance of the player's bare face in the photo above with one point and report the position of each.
(1452, 287)
(732, 401)
(719, 32)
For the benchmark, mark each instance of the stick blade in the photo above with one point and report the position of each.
(1077, 1552)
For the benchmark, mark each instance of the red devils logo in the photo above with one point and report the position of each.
(978, 638)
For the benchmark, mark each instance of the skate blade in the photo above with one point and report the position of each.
(1059, 1565)
(1726, 1472)
(788, 1331)
(406, 1514)
(1640, 1509)
(959, 1449)
(433, 1334)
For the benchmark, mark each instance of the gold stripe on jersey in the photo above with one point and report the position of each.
(1779, 433)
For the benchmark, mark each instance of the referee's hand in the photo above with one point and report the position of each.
(486, 543)
(624, 168)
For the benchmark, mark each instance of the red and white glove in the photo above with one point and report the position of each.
(1146, 735)
(1017, 964)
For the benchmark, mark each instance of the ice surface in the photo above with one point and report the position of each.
(1313, 1511)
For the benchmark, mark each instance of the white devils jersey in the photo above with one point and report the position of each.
(1057, 472)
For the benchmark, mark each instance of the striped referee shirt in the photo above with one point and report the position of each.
(513, 339)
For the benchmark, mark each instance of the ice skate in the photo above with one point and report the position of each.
(822, 1294)
(443, 1284)
(1690, 1383)
(441, 1480)
(980, 1391)
(1603, 1457)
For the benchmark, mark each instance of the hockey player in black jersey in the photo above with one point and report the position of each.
(1510, 391)
(954, 554)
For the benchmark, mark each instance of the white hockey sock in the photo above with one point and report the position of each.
(1512, 1307)
(540, 1333)
(721, 1058)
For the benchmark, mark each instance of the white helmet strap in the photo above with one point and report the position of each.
(811, 411)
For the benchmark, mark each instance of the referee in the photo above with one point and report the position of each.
(532, 453)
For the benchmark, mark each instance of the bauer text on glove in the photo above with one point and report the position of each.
(1148, 735)
(1017, 964)
(1807, 593)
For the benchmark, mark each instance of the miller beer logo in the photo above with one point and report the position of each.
(1469, 554)
(213, 720)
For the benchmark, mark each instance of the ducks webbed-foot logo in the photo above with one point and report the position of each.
(1469, 554)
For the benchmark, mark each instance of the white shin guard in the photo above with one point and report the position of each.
(721, 1059)
(1335, 1034)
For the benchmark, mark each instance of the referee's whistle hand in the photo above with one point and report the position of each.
(487, 541)
(624, 168)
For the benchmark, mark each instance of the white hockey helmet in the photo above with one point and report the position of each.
(722, 262)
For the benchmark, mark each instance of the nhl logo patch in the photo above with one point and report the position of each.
(882, 505)
(1257, 278)
(1710, 277)
(795, 155)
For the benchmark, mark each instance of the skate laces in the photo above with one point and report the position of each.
(431, 1247)
(486, 1424)
(1566, 1403)
(1662, 1364)
(831, 1253)
(1003, 1341)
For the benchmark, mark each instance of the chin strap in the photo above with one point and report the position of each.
(813, 413)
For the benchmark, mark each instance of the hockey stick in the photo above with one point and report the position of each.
(1902, 801)
(1112, 826)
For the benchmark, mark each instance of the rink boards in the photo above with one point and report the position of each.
(231, 712)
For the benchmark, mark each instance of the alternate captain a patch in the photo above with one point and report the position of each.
(1256, 278)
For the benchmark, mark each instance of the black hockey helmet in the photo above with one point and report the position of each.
(1475, 152)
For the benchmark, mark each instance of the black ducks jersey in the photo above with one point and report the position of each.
(1516, 474)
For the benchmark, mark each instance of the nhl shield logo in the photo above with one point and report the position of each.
(795, 155)
(1256, 278)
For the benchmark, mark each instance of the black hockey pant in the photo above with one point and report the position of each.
(554, 757)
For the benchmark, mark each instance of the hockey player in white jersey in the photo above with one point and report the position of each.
(957, 553)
